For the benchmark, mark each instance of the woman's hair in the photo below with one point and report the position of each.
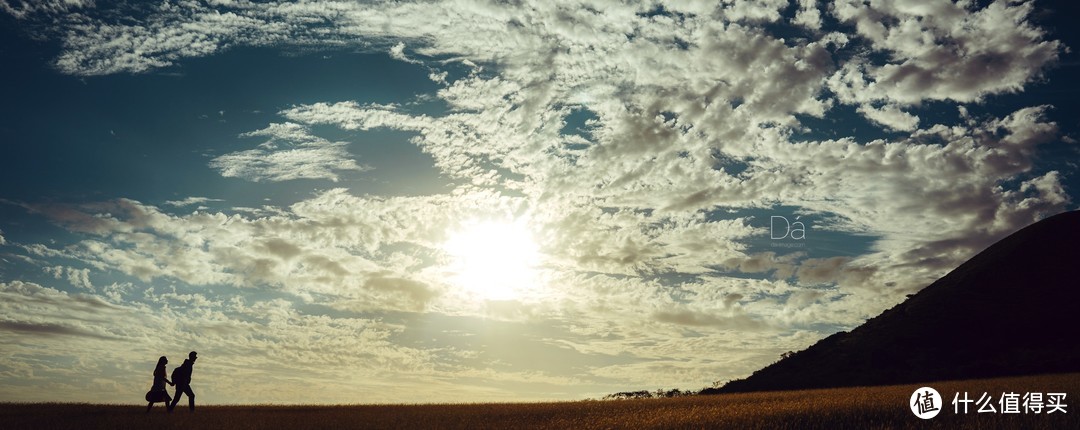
(161, 361)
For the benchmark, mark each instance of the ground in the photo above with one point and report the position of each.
(857, 408)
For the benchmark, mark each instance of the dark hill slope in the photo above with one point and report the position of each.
(1013, 309)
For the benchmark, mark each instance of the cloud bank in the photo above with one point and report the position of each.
(644, 145)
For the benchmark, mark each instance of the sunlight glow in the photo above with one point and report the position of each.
(494, 260)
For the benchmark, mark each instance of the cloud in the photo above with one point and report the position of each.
(397, 52)
(780, 266)
(170, 32)
(275, 166)
(21, 9)
(334, 244)
(50, 329)
(191, 201)
(234, 336)
(31, 308)
(691, 114)
(291, 153)
(694, 119)
(751, 11)
(821, 270)
(77, 277)
(890, 117)
(808, 16)
(692, 318)
(942, 51)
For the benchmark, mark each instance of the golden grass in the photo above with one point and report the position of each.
(856, 408)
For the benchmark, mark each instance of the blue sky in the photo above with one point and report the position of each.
(467, 201)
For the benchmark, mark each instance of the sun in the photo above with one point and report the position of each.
(495, 260)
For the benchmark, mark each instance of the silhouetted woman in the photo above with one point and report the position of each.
(157, 392)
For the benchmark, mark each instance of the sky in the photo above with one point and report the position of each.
(464, 201)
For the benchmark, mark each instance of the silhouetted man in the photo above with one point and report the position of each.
(181, 376)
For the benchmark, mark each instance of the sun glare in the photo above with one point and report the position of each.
(494, 260)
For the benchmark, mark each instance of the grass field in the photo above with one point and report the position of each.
(857, 408)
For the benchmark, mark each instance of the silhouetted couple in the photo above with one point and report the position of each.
(181, 378)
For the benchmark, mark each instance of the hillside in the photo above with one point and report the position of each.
(1010, 310)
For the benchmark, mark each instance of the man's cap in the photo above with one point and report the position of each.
(192, 354)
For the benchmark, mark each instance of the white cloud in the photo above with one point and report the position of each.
(890, 116)
(940, 201)
(77, 277)
(31, 308)
(291, 153)
(942, 51)
(753, 11)
(681, 100)
(397, 52)
(691, 318)
(190, 201)
(256, 165)
(171, 32)
(22, 9)
(809, 15)
(333, 244)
